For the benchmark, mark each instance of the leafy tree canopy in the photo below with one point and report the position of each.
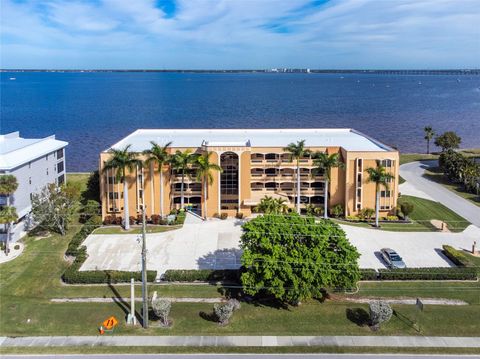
(294, 258)
(448, 140)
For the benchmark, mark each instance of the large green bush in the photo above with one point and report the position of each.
(295, 258)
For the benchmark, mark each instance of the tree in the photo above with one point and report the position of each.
(181, 161)
(294, 258)
(224, 311)
(380, 312)
(367, 213)
(8, 215)
(120, 161)
(297, 151)
(407, 208)
(53, 208)
(429, 133)
(8, 186)
(90, 208)
(204, 170)
(448, 141)
(161, 307)
(380, 177)
(270, 205)
(324, 163)
(158, 155)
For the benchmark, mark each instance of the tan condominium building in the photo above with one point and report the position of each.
(254, 164)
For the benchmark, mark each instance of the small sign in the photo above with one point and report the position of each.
(110, 323)
(419, 305)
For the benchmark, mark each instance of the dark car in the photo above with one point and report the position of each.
(392, 258)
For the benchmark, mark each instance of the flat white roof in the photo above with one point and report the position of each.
(16, 151)
(349, 139)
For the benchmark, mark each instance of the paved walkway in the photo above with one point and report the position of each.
(413, 172)
(244, 341)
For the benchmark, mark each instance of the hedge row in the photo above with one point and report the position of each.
(202, 275)
(74, 245)
(368, 274)
(457, 257)
(73, 275)
(448, 273)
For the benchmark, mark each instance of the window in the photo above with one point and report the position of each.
(46, 158)
(386, 163)
(140, 193)
(60, 167)
(229, 180)
(47, 171)
(113, 195)
(60, 153)
(29, 180)
(61, 180)
(384, 194)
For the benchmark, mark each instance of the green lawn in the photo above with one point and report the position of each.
(410, 157)
(134, 230)
(29, 282)
(426, 210)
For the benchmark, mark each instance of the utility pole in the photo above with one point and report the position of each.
(144, 269)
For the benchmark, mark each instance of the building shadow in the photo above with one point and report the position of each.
(227, 258)
(359, 316)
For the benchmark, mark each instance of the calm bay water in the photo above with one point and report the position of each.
(94, 110)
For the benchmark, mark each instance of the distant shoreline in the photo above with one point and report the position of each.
(270, 71)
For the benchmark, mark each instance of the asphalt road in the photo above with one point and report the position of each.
(243, 356)
(413, 173)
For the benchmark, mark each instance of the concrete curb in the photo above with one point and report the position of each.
(244, 341)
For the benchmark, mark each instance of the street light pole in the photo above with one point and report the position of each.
(144, 269)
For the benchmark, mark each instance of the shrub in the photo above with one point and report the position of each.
(318, 211)
(458, 257)
(74, 245)
(428, 274)
(16, 247)
(132, 220)
(337, 210)
(368, 274)
(392, 218)
(201, 275)
(380, 312)
(353, 218)
(216, 215)
(406, 208)
(224, 311)
(180, 218)
(239, 215)
(223, 215)
(161, 307)
(155, 219)
(112, 219)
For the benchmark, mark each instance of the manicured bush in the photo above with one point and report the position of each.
(112, 219)
(161, 307)
(436, 273)
(216, 215)
(392, 218)
(180, 218)
(368, 274)
(380, 312)
(155, 219)
(337, 210)
(224, 311)
(406, 208)
(16, 247)
(223, 215)
(201, 275)
(239, 215)
(77, 239)
(353, 218)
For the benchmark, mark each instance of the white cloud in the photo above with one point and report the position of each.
(252, 33)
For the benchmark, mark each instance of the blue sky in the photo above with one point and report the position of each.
(229, 34)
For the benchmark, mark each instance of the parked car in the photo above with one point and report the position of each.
(392, 258)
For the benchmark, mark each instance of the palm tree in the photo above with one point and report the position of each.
(181, 161)
(324, 163)
(429, 133)
(270, 205)
(158, 155)
(8, 214)
(297, 151)
(204, 174)
(380, 177)
(120, 161)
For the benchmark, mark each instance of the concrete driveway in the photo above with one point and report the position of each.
(213, 244)
(413, 173)
(418, 249)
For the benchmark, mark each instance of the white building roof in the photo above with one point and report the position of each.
(16, 151)
(349, 139)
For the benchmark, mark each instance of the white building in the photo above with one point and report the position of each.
(35, 162)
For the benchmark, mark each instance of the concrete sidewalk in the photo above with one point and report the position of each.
(243, 341)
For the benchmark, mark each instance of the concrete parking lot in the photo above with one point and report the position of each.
(214, 244)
